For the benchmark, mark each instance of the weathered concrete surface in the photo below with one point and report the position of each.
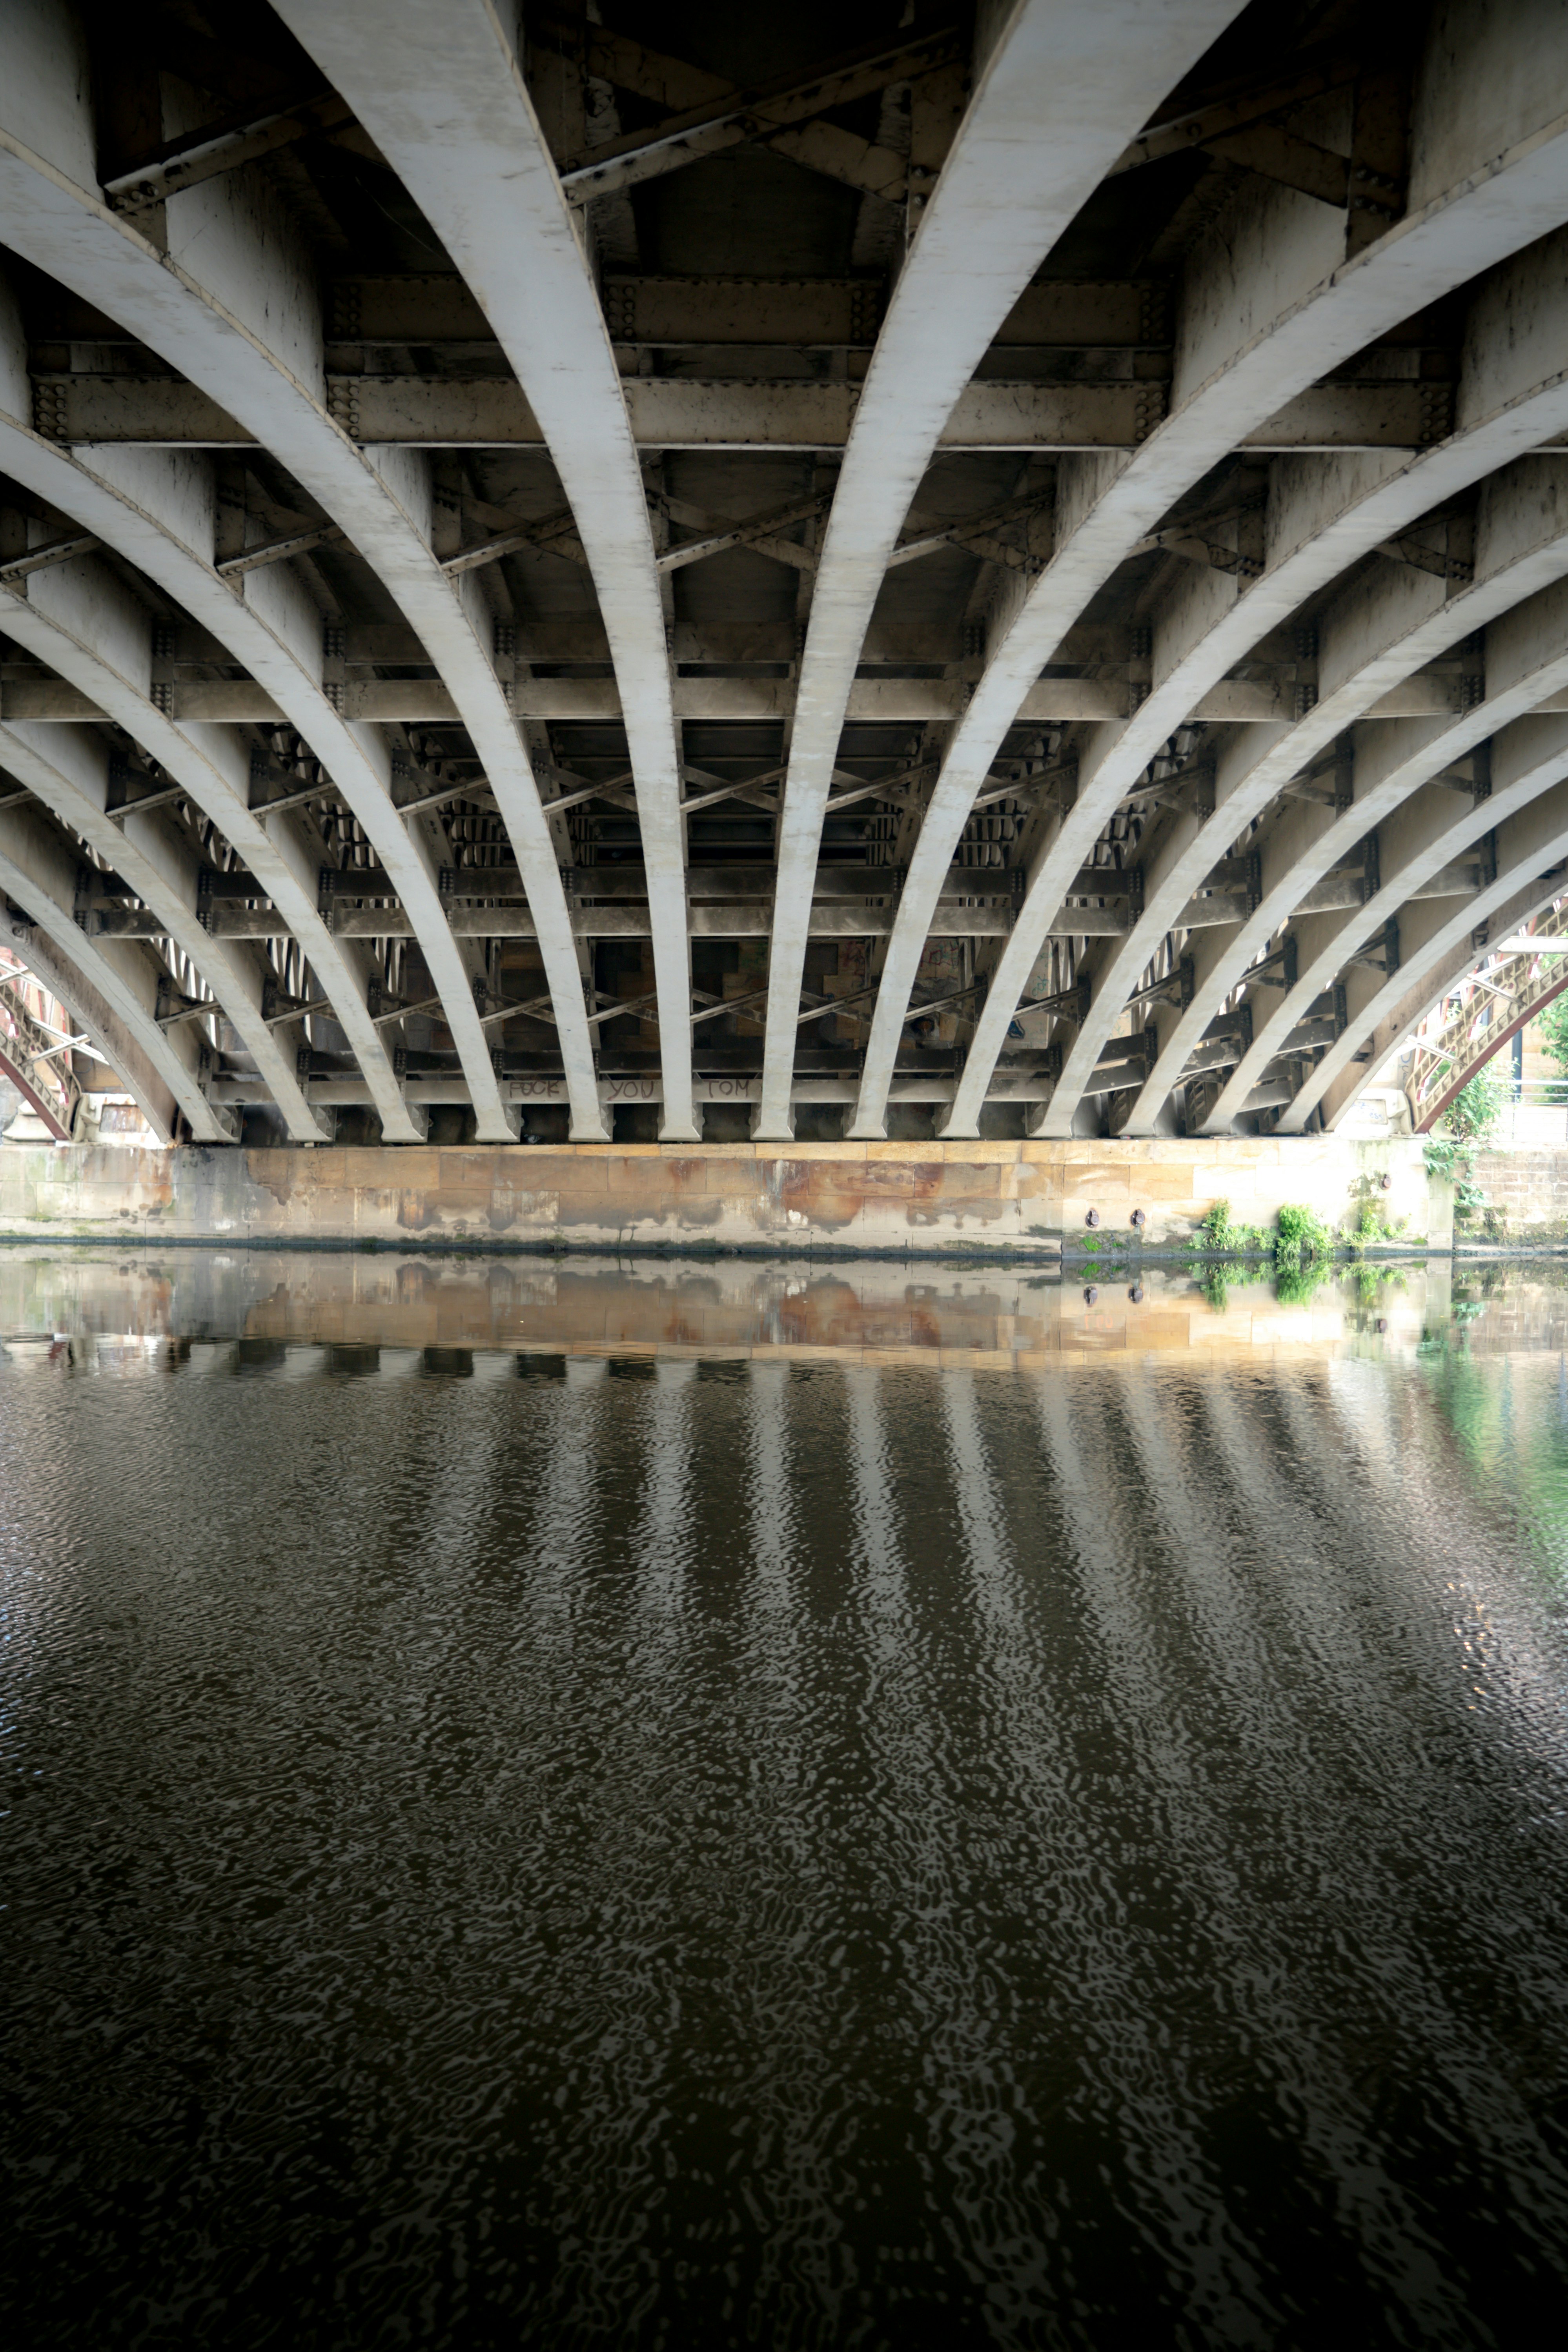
(394, 1316)
(920, 1198)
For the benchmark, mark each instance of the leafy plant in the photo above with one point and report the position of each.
(1302, 1235)
(1372, 1226)
(1554, 1026)
(1217, 1235)
(1441, 1154)
(1477, 1107)
(1449, 1151)
(1215, 1227)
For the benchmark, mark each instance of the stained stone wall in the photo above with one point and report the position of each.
(1020, 1196)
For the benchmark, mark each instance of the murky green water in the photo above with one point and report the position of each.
(525, 1847)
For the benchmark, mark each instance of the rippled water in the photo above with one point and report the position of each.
(530, 1846)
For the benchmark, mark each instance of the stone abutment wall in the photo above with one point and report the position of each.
(855, 1198)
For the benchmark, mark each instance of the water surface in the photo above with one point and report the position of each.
(664, 1808)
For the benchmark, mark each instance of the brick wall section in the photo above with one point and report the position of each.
(857, 1197)
(1527, 1198)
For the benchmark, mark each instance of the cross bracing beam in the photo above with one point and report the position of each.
(413, 412)
(1282, 303)
(724, 116)
(229, 303)
(1230, 702)
(205, 154)
(414, 71)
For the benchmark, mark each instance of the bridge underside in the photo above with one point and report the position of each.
(653, 573)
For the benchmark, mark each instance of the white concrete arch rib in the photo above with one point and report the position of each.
(439, 84)
(1323, 514)
(1440, 940)
(1418, 822)
(1450, 962)
(109, 986)
(82, 622)
(233, 307)
(1057, 100)
(67, 768)
(1269, 307)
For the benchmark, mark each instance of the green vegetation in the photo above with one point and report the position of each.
(1372, 1227)
(1217, 1282)
(1302, 1235)
(1450, 1149)
(1553, 1027)
(1476, 1109)
(1303, 1248)
(1216, 1235)
(1294, 1282)
(1303, 1254)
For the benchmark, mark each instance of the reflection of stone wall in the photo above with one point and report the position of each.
(924, 1197)
(108, 1304)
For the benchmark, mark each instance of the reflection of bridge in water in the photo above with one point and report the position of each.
(1057, 1805)
(388, 1310)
